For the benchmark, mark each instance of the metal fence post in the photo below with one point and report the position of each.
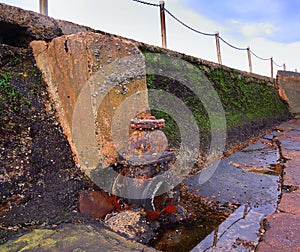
(272, 72)
(249, 59)
(163, 24)
(284, 67)
(218, 48)
(44, 7)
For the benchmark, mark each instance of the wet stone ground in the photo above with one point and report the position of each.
(220, 208)
(249, 180)
(40, 183)
(282, 227)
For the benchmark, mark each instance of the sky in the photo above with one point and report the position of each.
(269, 27)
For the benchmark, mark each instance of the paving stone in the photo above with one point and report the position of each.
(271, 135)
(292, 172)
(259, 157)
(228, 183)
(283, 234)
(290, 145)
(237, 233)
(290, 203)
(291, 155)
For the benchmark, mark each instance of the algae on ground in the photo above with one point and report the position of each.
(72, 237)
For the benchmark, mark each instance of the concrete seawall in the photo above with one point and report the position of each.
(289, 90)
(68, 95)
(250, 103)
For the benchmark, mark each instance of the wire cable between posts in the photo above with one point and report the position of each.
(258, 56)
(204, 33)
(232, 46)
(146, 3)
(187, 26)
(277, 64)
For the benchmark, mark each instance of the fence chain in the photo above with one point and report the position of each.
(277, 64)
(187, 26)
(234, 47)
(204, 33)
(146, 3)
(258, 56)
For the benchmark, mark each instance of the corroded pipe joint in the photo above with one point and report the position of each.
(147, 124)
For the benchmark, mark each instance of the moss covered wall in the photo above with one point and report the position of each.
(251, 102)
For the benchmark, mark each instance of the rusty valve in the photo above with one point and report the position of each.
(147, 144)
(146, 157)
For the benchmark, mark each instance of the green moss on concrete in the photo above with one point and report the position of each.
(10, 97)
(247, 99)
(251, 103)
(73, 238)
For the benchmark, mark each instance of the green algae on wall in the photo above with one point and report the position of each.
(251, 102)
(247, 99)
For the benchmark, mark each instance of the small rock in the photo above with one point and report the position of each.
(96, 203)
(134, 225)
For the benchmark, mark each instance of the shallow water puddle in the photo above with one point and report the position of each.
(185, 236)
(249, 178)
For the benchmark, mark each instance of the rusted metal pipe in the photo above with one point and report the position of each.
(44, 7)
(163, 24)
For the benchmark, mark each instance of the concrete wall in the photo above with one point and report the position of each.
(250, 102)
(243, 104)
(289, 90)
(97, 83)
(19, 27)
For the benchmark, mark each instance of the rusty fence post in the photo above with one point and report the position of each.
(44, 7)
(163, 24)
(272, 70)
(249, 59)
(218, 48)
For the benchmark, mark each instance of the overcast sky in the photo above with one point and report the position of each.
(269, 27)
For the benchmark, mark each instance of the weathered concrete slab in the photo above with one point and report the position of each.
(241, 178)
(271, 135)
(20, 27)
(290, 145)
(259, 157)
(231, 184)
(73, 237)
(98, 84)
(237, 233)
(289, 89)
